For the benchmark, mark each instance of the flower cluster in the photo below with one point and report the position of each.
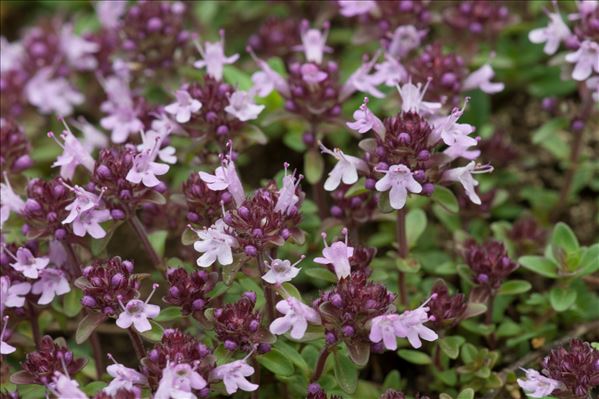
(489, 263)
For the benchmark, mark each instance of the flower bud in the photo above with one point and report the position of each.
(337, 301)
(348, 331)
(264, 348)
(250, 250)
(198, 304)
(254, 325)
(251, 295)
(230, 345)
(330, 338)
(117, 214)
(60, 234)
(103, 172)
(88, 301)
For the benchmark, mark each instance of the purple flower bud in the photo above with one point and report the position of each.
(382, 166)
(25, 229)
(243, 212)
(198, 304)
(371, 304)
(117, 280)
(125, 195)
(103, 172)
(192, 217)
(222, 130)
(117, 214)
(424, 155)
(290, 105)
(419, 175)
(483, 278)
(295, 68)
(379, 347)
(203, 350)
(285, 233)
(22, 163)
(218, 312)
(356, 202)
(254, 324)
(88, 301)
(161, 187)
(60, 234)
(314, 389)
(211, 117)
(264, 348)
(230, 345)
(308, 138)
(330, 338)
(154, 356)
(257, 232)
(336, 211)
(329, 92)
(32, 206)
(51, 217)
(250, 250)
(204, 392)
(577, 125)
(174, 292)
(370, 183)
(428, 188)
(549, 104)
(572, 42)
(335, 111)
(226, 197)
(154, 24)
(108, 310)
(251, 295)
(448, 79)
(87, 270)
(128, 265)
(298, 91)
(348, 331)
(404, 138)
(337, 301)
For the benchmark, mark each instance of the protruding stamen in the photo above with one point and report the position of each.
(154, 287)
(299, 260)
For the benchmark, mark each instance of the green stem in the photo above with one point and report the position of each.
(140, 231)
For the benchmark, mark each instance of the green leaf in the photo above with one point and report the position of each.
(415, 225)
(409, 265)
(237, 77)
(72, 303)
(451, 345)
(290, 290)
(415, 357)
(514, 287)
(168, 314)
(87, 325)
(562, 299)
(158, 240)
(446, 198)
(346, 373)
(313, 166)
(155, 334)
(589, 261)
(357, 188)
(540, 265)
(467, 393)
(32, 391)
(320, 273)
(564, 237)
(93, 388)
(276, 362)
(292, 354)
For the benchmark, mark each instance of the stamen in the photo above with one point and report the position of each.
(5, 248)
(198, 46)
(109, 355)
(120, 299)
(299, 260)
(4, 325)
(324, 239)
(344, 232)
(52, 136)
(325, 150)
(154, 287)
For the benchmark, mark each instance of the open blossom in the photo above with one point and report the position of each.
(9, 201)
(311, 74)
(338, 255)
(177, 382)
(73, 155)
(64, 387)
(366, 121)
(287, 196)
(215, 244)
(92, 137)
(390, 72)
(122, 118)
(313, 42)
(451, 132)
(110, 11)
(214, 58)
(242, 106)
(552, 34)
(12, 295)
(123, 378)
(464, 175)
(5, 348)
(404, 39)
(281, 271)
(362, 80)
(225, 178)
(267, 79)
(481, 79)
(183, 107)
(537, 385)
(234, 376)
(412, 99)
(79, 51)
(586, 59)
(137, 312)
(12, 55)
(85, 216)
(52, 282)
(399, 180)
(27, 264)
(351, 8)
(145, 169)
(346, 169)
(153, 138)
(296, 318)
(52, 95)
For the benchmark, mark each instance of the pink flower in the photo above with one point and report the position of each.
(153, 138)
(390, 72)
(281, 271)
(297, 315)
(311, 74)
(12, 55)
(122, 378)
(27, 264)
(92, 137)
(85, 215)
(593, 85)
(5, 348)
(214, 58)
(458, 151)
(346, 169)
(586, 59)
(225, 178)
(404, 39)
(215, 244)
(52, 282)
(268, 79)
(412, 99)
(52, 95)
(385, 328)
(12, 295)
(362, 80)
(451, 132)
(145, 169)
(481, 79)
(287, 196)
(234, 376)
(79, 51)
(410, 325)
(464, 175)
(365, 121)
(183, 107)
(537, 385)
(122, 118)
(262, 84)
(242, 106)
(398, 179)
(110, 11)
(137, 313)
(338, 255)
(351, 8)
(313, 42)
(9, 201)
(73, 155)
(552, 34)
(63, 387)
(177, 382)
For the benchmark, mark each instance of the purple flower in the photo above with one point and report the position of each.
(234, 376)
(404, 39)
(12, 295)
(281, 271)
(552, 35)
(9, 201)
(122, 116)
(123, 378)
(365, 121)
(79, 52)
(451, 132)
(27, 264)
(362, 80)
(346, 169)
(64, 387)
(84, 216)
(268, 79)
(312, 74)
(183, 107)
(110, 12)
(52, 282)
(215, 244)
(214, 58)
(481, 79)
(338, 255)
(242, 106)
(399, 180)
(145, 169)
(73, 155)
(153, 138)
(536, 385)
(352, 8)
(288, 199)
(313, 42)
(586, 59)
(52, 95)
(412, 99)
(296, 318)
(464, 175)
(178, 380)
(5, 348)
(225, 178)
(137, 313)
(390, 72)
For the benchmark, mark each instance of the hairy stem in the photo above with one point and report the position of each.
(402, 252)
(138, 344)
(35, 326)
(320, 199)
(256, 377)
(140, 231)
(268, 293)
(94, 340)
(73, 259)
(322, 359)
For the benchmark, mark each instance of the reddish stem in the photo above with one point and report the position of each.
(402, 252)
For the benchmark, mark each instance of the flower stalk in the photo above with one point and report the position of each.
(402, 252)
(141, 233)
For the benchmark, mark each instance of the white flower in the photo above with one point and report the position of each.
(390, 72)
(215, 244)
(27, 264)
(552, 34)
(64, 387)
(52, 283)
(123, 378)
(313, 42)
(79, 51)
(5, 348)
(537, 385)
(9, 201)
(183, 107)
(404, 39)
(12, 295)
(412, 99)
(281, 271)
(234, 376)
(137, 313)
(225, 178)
(12, 55)
(481, 79)
(296, 318)
(362, 80)
(242, 106)
(110, 11)
(214, 58)
(52, 95)
(177, 382)
(338, 255)
(351, 8)
(346, 169)
(398, 179)
(451, 132)
(365, 121)
(586, 59)
(287, 196)
(463, 175)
